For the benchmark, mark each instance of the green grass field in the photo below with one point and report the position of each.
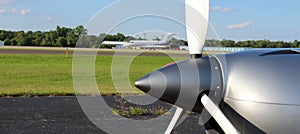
(46, 75)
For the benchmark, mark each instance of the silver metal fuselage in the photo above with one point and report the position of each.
(263, 86)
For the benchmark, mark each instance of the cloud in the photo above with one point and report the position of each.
(49, 18)
(241, 26)
(25, 11)
(293, 34)
(14, 10)
(226, 9)
(2, 2)
(216, 8)
(220, 8)
(2, 11)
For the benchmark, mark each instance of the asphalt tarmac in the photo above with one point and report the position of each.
(60, 115)
(44, 115)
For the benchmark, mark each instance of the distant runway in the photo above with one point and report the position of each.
(58, 115)
(108, 52)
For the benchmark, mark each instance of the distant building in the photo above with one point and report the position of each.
(225, 49)
(219, 49)
(1, 43)
(183, 48)
(118, 44)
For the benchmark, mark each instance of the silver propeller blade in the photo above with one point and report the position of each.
(217, 114)
(197, 13)
(179, 114)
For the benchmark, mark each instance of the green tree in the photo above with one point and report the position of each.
(295, 44)
(71, 38)
(262, 44)
(228, 43)
(45, 43)
(61, 42)
(22, 39)
(37, 38)
(7, 42)
(80, 30)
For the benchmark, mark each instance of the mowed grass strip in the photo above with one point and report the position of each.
(51, 75)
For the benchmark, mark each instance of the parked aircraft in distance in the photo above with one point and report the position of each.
(146, 44)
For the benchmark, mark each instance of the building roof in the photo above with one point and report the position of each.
(113, 42)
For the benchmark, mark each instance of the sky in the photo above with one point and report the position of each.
(230, 19)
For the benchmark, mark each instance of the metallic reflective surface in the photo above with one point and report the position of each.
(169, 83)
(259, 90)
(264, 88)
(263, 79)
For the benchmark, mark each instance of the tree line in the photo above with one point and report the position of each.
(60, 37)
(68, 37)
(261, 44)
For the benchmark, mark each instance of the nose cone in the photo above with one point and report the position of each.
(143, 84)
(163, 84)
(178, 83)
(153, 84)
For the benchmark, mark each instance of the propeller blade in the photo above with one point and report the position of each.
(217, 114)
(179, 114)
(197, 13)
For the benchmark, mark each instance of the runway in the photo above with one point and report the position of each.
(59, 115)
(99, 52)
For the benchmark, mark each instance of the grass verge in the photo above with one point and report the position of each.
(51, 75)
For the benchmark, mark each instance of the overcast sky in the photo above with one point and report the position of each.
(231, 19)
